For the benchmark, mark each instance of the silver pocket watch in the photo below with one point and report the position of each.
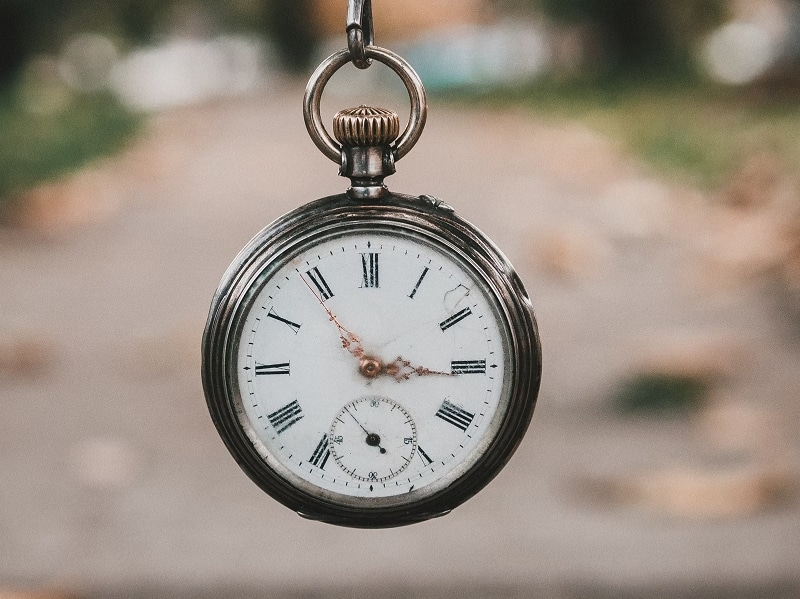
(370, 359)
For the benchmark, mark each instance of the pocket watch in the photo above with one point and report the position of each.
(370, 359)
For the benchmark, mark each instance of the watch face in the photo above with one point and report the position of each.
(371, 364)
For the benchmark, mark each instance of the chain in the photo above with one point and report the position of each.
(360, 32)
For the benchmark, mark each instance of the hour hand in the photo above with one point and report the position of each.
(372, 367)
(399, 369)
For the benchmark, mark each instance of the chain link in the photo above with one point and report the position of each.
(360, 31)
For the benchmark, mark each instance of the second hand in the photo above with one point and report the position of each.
(373, 439)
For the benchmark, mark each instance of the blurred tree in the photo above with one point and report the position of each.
(12, 38)
(20, 35)
(28, 27)
(291, 26)
(639, 36)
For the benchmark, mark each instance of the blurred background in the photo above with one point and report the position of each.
(637, 160)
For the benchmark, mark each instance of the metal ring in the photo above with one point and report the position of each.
(320, 77)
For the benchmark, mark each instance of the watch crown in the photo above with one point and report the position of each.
(366, 126)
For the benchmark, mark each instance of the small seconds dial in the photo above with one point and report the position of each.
(372, 364)
(384, 427)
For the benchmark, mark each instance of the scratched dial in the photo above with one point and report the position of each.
(386, 327)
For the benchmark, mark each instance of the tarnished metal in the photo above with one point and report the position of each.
(366, 135)
(432, 223)
(360, 31)
(316, 85)
(366, 126)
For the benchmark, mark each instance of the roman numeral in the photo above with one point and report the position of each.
(321, 453)
(468, 367)
(286, 416)
(419, 282)
(424, 456)
(272, 368)
(369, 264)
(455, 319)
(292, 325)
(455, 415)
(316, 278)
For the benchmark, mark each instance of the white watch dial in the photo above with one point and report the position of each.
(372, 365)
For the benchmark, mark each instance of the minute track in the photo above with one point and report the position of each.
(407, 268)
(427, 330)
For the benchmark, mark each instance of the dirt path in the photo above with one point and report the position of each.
(114, 478)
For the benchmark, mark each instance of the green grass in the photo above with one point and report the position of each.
(690, 130)
(40, 145)
(659, 394)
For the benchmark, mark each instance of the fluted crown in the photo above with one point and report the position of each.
(366, 126)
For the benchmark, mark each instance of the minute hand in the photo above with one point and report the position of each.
(350, 341)
(371, 367)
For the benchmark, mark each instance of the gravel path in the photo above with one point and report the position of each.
(115, 483)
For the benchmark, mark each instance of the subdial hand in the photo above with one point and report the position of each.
(372, 439)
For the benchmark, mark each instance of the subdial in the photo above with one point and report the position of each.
(373, 438)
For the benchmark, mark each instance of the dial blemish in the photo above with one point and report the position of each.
(455, 296)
